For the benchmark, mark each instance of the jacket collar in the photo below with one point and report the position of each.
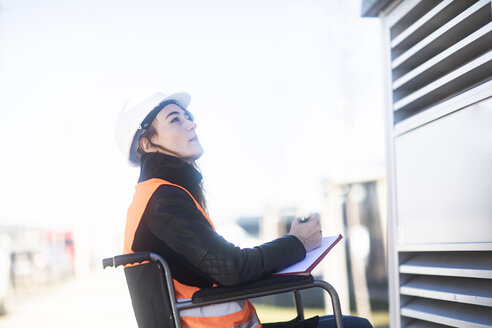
(170, 168)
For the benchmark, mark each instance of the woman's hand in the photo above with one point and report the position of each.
(309, 232)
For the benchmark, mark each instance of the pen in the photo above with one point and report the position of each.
(302, 219)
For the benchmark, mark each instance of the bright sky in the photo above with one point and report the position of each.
(286, 93)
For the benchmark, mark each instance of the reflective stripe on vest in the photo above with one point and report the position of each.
(240, 314)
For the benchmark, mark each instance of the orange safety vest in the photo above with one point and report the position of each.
(239, 314)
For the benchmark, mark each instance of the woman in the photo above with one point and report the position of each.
(167, 216)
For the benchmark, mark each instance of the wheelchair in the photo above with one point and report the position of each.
(155, 305)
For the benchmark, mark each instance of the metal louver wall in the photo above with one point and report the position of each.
(439, 99)
(450, 288)
(438, 50)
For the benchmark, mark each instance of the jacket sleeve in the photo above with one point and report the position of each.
(175, 220)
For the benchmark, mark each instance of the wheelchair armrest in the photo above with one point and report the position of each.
(267, 286)
(125, 259)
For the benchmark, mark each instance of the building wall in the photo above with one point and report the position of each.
(439, 141)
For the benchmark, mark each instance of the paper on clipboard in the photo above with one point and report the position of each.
(312, 258)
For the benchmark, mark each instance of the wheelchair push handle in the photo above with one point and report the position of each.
(125, 259)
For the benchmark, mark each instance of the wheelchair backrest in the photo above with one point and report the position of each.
(149, 295)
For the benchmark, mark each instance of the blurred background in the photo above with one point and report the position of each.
(288, 97)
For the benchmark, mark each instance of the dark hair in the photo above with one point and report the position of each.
(148, 128)
(147, 121)
(150, 131)
(200, 191)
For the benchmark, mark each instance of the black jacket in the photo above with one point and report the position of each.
(173, 227)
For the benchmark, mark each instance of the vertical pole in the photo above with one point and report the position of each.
(298, 303)
(357, 259)
(332, 224)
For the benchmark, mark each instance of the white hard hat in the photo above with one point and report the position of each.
(128, 128)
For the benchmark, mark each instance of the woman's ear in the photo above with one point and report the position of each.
(146, 145)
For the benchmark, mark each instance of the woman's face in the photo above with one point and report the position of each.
(176, 134)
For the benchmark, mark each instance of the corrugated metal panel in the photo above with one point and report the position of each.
(462, 264)
(452, 289)
(407, 13)
(448, 313)
(424, 324)
(438, 50)
(439, 72)
(446, 288)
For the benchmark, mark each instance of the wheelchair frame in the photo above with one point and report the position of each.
(215, 295)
